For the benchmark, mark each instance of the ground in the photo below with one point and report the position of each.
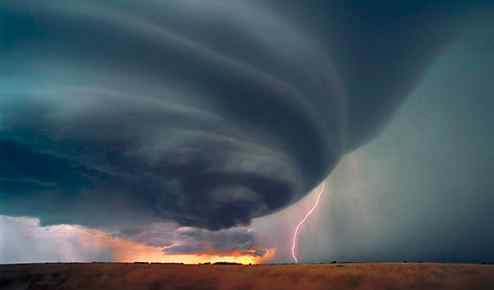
(381, 276)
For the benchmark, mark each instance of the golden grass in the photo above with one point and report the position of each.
(381, 276)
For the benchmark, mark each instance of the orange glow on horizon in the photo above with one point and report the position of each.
(142, 253)
(128, 251)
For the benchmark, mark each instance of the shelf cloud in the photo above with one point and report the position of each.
(204, 113)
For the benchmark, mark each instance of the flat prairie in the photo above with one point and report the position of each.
(377, 276)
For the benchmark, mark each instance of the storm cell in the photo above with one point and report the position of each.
(204, 113)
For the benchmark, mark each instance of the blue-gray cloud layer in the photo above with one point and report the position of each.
(423, 189)
(207, 113)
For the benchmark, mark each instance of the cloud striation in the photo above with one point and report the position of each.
(115, 114)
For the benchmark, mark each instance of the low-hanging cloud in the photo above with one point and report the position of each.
(175, 239)
(25, 240)
(205, 113)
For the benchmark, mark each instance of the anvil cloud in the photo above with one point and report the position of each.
(117, 114)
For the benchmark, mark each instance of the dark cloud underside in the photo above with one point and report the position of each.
(206, 113)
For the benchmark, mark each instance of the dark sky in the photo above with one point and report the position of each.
(209, 114)
(423, 189)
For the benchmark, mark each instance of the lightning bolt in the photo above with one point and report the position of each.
(319, 191)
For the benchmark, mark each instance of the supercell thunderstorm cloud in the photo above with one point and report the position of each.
(118, 114)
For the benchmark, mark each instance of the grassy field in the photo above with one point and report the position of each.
(381, 276)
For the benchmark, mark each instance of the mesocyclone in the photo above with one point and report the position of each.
(206, 113)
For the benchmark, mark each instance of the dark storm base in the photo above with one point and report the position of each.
(382, 276)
